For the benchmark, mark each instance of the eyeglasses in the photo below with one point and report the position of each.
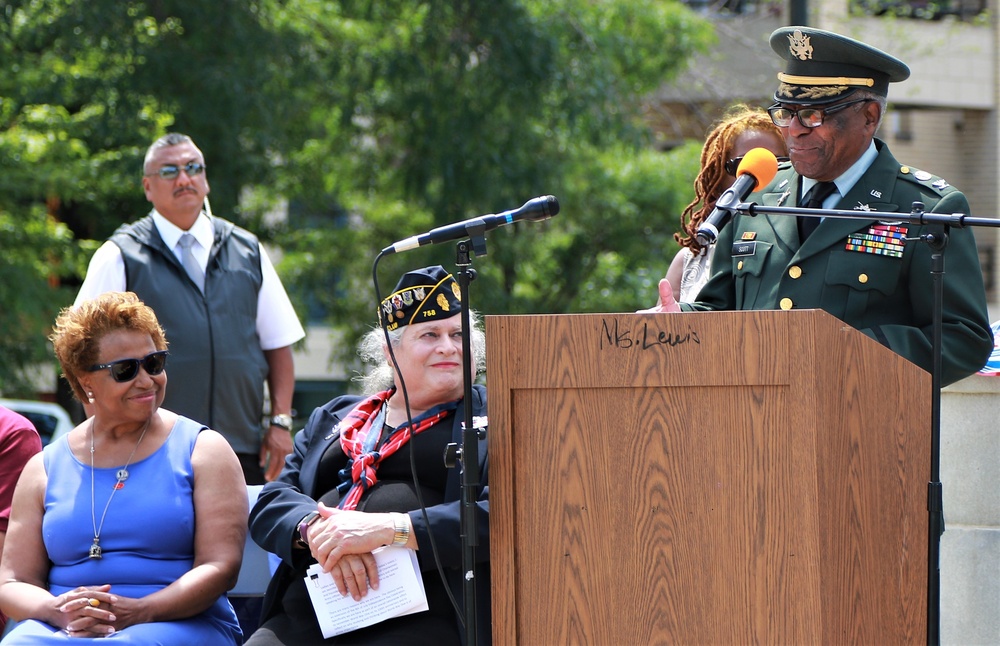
(732, 165)
(172, 171)
(808, 117)
(127, 369)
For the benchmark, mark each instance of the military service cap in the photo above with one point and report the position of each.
(421, 295)
(823, 67)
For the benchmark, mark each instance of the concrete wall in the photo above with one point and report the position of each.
(970, 478)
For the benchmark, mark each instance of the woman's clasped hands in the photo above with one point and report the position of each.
(342, 543)
(87, 611)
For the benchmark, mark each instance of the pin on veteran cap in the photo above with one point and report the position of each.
(421, 295)
(824, 67)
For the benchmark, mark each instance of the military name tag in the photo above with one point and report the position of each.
(744, 248)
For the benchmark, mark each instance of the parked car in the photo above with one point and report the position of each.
(50, 420)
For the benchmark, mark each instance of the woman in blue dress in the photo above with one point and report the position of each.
(132, 526)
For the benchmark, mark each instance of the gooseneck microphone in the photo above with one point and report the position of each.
(759, 166)
(539, 208)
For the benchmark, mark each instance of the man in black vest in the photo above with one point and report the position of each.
(223, 308)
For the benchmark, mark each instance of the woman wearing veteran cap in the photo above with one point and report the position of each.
(873, 275)
(131, 526)
(347, 488)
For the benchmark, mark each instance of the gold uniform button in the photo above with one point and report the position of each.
(795, 271)
(863, 278)
(739, 265)
(786, 303)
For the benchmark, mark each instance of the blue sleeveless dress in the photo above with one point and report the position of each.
(147, 540)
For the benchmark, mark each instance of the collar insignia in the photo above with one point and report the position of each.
(479, 422)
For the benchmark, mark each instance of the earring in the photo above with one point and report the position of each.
(90, 397)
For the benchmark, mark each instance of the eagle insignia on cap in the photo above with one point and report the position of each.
(442, 302)
(799, 45)
(822, 67)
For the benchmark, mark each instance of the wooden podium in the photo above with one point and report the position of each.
(705, 478)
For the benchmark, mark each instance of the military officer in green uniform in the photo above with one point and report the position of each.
(869, 273)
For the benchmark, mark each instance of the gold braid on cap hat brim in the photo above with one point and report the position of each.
(825, 80)
(810, 92)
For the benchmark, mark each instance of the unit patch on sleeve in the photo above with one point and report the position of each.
(880, 239)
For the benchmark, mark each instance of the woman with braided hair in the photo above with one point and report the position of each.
(741, 130)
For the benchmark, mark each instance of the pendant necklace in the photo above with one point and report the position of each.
(120, 477)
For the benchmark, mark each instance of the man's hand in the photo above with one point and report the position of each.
(276, 445)
(668, 304)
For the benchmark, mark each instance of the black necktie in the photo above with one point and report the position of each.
(814, 200)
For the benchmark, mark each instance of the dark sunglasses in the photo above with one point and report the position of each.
(732, 165)
(127, 369)
(172, 171)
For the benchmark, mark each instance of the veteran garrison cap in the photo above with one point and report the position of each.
(421, 295)
(823, 67)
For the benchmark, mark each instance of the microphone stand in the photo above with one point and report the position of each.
(468, 454)
(937, 241)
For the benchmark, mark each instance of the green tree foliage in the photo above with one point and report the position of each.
(88, 85)
(33, 251)
(439, 111)
(370, 120)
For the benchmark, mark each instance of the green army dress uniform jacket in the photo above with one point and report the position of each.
(886, 292)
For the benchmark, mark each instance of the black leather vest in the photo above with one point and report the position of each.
(216, 369)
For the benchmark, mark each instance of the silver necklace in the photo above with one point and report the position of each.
(120, 477)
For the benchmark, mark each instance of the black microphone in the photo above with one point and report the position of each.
(759, 166)
(539, 208)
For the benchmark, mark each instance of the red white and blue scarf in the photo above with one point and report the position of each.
(360, 439)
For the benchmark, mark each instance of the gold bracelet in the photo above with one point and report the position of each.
(401, 525)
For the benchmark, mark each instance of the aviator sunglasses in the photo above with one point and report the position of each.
(127, 369)
(732, 165)
(172, 171)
